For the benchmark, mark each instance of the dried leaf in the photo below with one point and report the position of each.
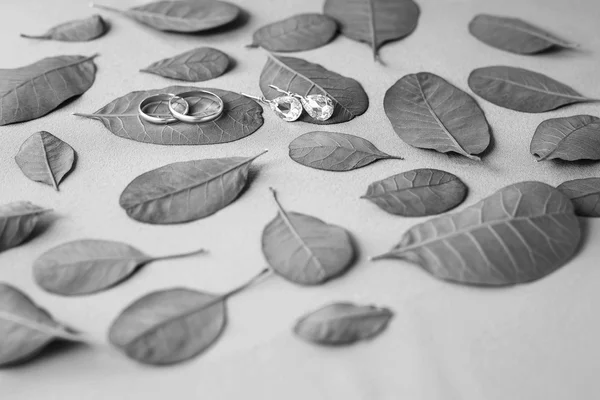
(568, 138)
(186, 191)
(522, 90)
(17, 221)
(343, 324)
(241, 117)
(430, 113)
(514, 35)
(585, 195)
(297, 33)
(81, 30)
(418, 193)
(33, 91)
(521, 233)
(303, 77)
(45, 158)
(90, 266)
(306, 250)
(196, 65)
(374, 21)
(181, 16)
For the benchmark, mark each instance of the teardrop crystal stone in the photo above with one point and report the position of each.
(318, 106)
(287, 108)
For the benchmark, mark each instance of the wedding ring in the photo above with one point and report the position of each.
(156, 99)
(200, 118)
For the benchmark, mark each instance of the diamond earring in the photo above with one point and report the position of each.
(288, 108)
(318, 106)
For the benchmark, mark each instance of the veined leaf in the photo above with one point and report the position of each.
(81, 30)
(521, 233)
(196, 65)
(17, 221)
(585, 195)
(568, 138)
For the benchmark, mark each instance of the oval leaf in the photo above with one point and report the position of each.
(418, 193)
(17, 222)
(169, 326)
(45, 158)
(185, 191)
(374, 21)
(33, 91)
(306, 250)
(241, 117)
(332, 151)
(342, 324)
(196, 65)
(568, 138)
(181, 16)
(585, 195)
(521, 233)
(513, 35)
(303, 77)
(298, 33)
(522, 90)
(81, 30)
(429, 113)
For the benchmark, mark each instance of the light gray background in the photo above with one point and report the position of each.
(536, 341)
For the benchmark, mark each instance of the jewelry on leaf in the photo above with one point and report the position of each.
(196, 119)
(288, 108)
(159, 98)
(318, 106)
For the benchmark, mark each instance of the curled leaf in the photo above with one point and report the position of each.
(568, 138)
(17, 222)
(196, 65)
(585, 195)
(81, 30)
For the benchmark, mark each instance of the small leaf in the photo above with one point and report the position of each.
(514, 35)
(332, 151)
(90, 266)
(186, 191)
(585, 195)
(45, 158)
(343, 324)
(196, 65)
(522, 90)
(418, 193)
(81, 30)
(519, 234)
(568, 138)
(297, 33)
(181, 16)
(304, 78)
(17, 222)
(429, 113)
(304, 249)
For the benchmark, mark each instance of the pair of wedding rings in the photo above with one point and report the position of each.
(179, 108)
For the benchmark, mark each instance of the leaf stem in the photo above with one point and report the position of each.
(256, 279)
(180, 255)
(42, 37)
(52, 331)
(102, 7)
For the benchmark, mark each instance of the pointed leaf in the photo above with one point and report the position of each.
(568, 138)
(304, 78)
(418, 193)
(343, 324)
(585, 195)
(34, 90)
(196, 65)
(521, 233)
(17, 221)
(81, 30)
(522, 90)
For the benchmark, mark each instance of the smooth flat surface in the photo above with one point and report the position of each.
(532, 342)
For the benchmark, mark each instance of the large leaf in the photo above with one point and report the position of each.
(374, 21)
(567, 138)
(241, 117)
(304, 78)
(196, 65)
(186, 191)
(585, 195)
(418, 193)
(514, 35)
(33, 91)
(342, 324)
(306, 250)
(522, 90)
(429, 113)
(334, 151)
(81, 30)
(297, 33)
(17, 222)
(45, 158)
(90, 266)
(521, 233)
(25, 328)
(181, 16)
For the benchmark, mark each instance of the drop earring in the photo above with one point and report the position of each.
(318, 106)
(288, 108)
